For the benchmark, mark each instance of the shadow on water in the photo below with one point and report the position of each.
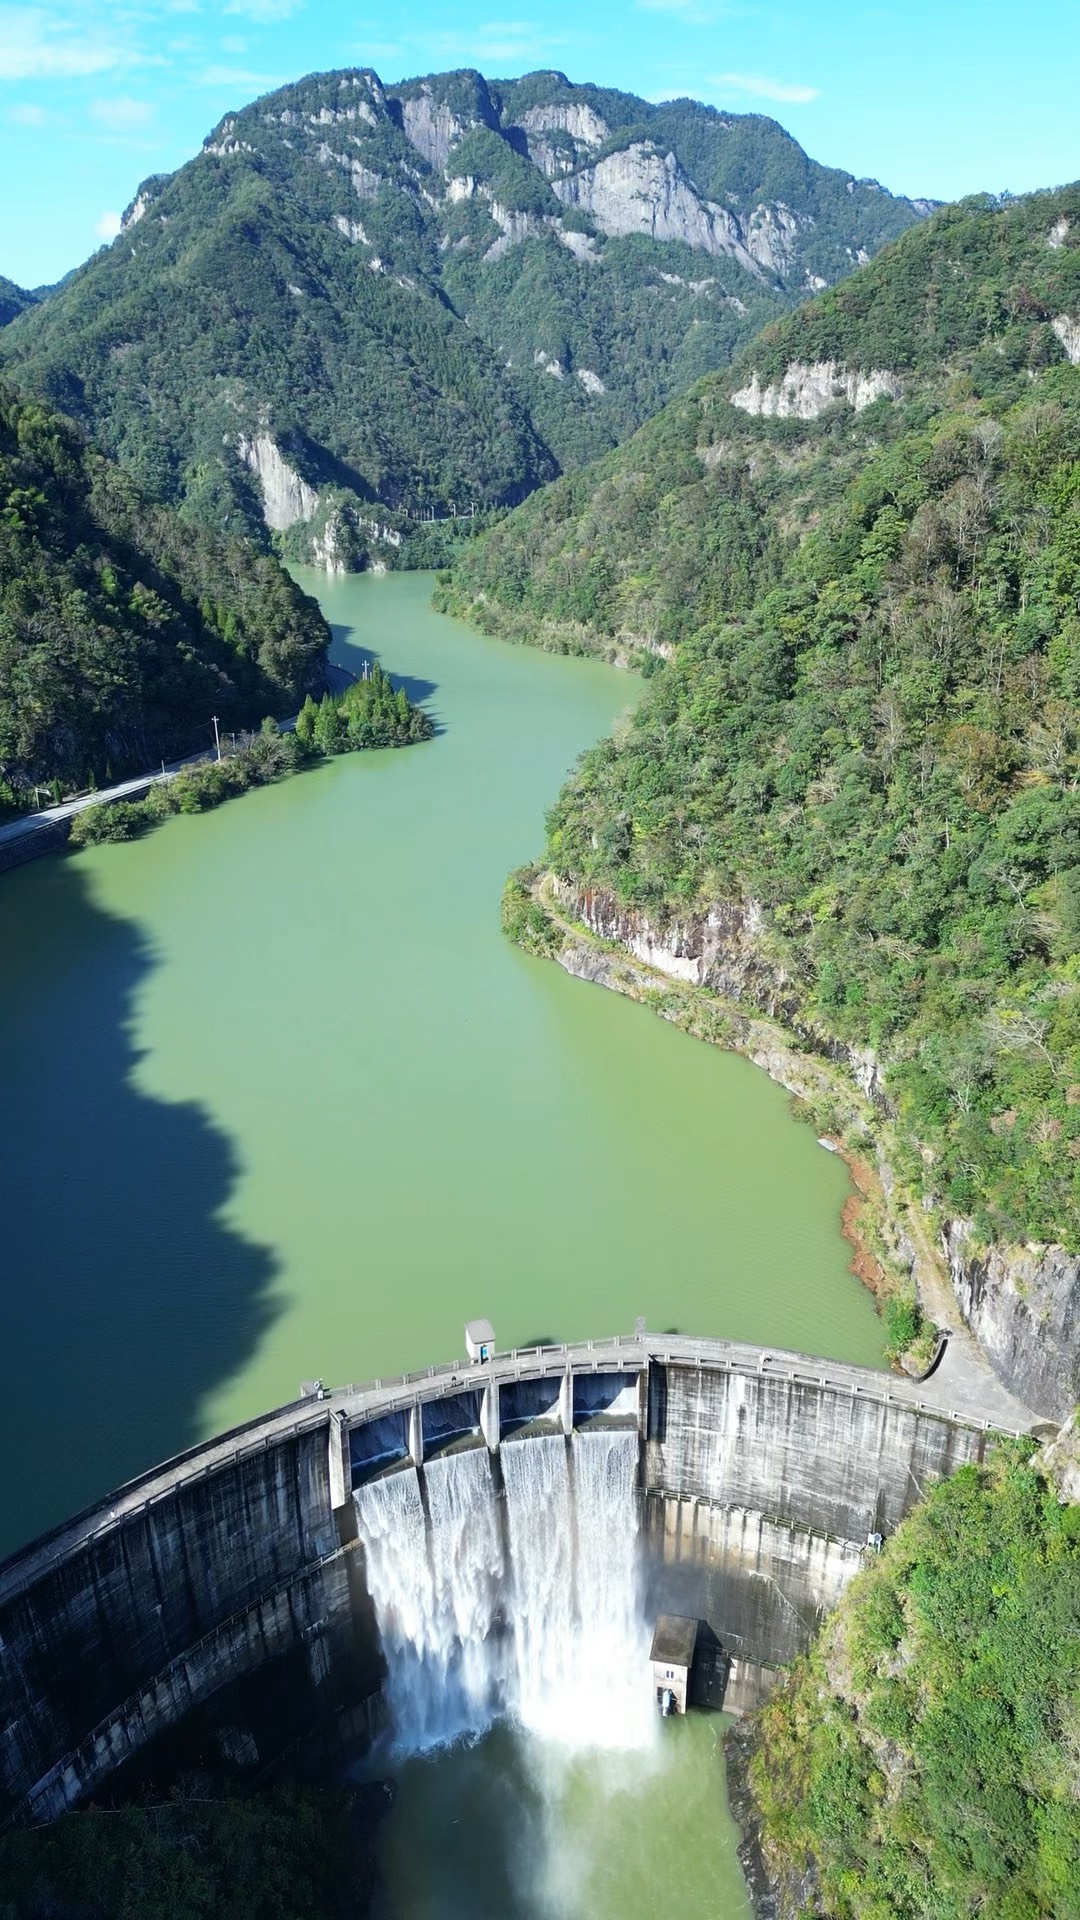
(345, 638)
(124, 1298)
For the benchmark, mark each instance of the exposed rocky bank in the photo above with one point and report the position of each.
(1021, 1303)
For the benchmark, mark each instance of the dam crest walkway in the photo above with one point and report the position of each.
(961, 1396)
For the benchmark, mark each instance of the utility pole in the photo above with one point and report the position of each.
(217, 737)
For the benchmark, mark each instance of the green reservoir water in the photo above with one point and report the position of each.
(510, 1830)
(281, 1101)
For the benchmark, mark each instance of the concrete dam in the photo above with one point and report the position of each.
(443, 1549)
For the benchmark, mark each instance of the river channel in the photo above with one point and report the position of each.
(281, 1101)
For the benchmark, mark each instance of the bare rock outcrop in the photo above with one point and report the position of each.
(725, 950)
(773, 233)
(805, 389)
(432, 128)
(1061, 1459)
(286, 497)
(643, 189)
(1023, 1305)
(1067, 328)
(573, 118)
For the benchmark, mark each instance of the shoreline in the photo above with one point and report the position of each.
(893, 1249)
(706, 1016)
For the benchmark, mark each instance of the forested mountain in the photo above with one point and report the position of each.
(13, 300)
(361, 304)
(861, 548)
(122, 629)
(921, 1763)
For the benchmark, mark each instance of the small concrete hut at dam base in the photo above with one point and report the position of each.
(220, 1609)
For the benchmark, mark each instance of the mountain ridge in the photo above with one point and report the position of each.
(14, 300)
(428, 299)
(860, 741)
(121, 629)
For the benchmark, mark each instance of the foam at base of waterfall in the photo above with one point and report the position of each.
(539, 1622)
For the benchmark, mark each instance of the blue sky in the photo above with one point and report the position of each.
(935, 97)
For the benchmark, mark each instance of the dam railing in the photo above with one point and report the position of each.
(357, 1403)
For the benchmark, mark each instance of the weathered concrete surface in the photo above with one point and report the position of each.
(763, 1493)
(216, 1608)
(32, 841)
(768, 1585)
(810, 1454)
(107, 1645)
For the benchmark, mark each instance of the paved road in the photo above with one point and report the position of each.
(338, 679)
(124, 790)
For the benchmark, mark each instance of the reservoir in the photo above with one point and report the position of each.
(281, 1101)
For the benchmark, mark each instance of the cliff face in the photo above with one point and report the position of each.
(805, 391)
(723, 950)
(1022, 1303)
(644, 190)
(286, 497)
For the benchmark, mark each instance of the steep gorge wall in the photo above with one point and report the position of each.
(1022, 1303)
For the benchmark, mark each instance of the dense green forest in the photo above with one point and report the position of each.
(923, 1760)
(390, 286)
(122, 628)
(13, 300)
(372, 712)
(870, 720)
(287, 1852)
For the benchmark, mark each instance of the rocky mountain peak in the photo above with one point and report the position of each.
(433, 295)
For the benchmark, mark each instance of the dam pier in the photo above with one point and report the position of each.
(452, 1546)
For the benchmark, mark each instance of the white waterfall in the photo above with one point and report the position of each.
(436, 1593)
(543, 1573)
(533, 1614)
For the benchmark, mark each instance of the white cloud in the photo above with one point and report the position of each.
(264, 11)
(123, 115)
(108, 226)
(38, 45)
(698, 13)
(237, 77)
(764, 88)
(27, 115)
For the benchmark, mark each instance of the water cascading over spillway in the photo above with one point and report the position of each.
(531, 1613)
(436, 1579)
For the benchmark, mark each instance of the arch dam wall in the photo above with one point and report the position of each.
(217, 1607)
